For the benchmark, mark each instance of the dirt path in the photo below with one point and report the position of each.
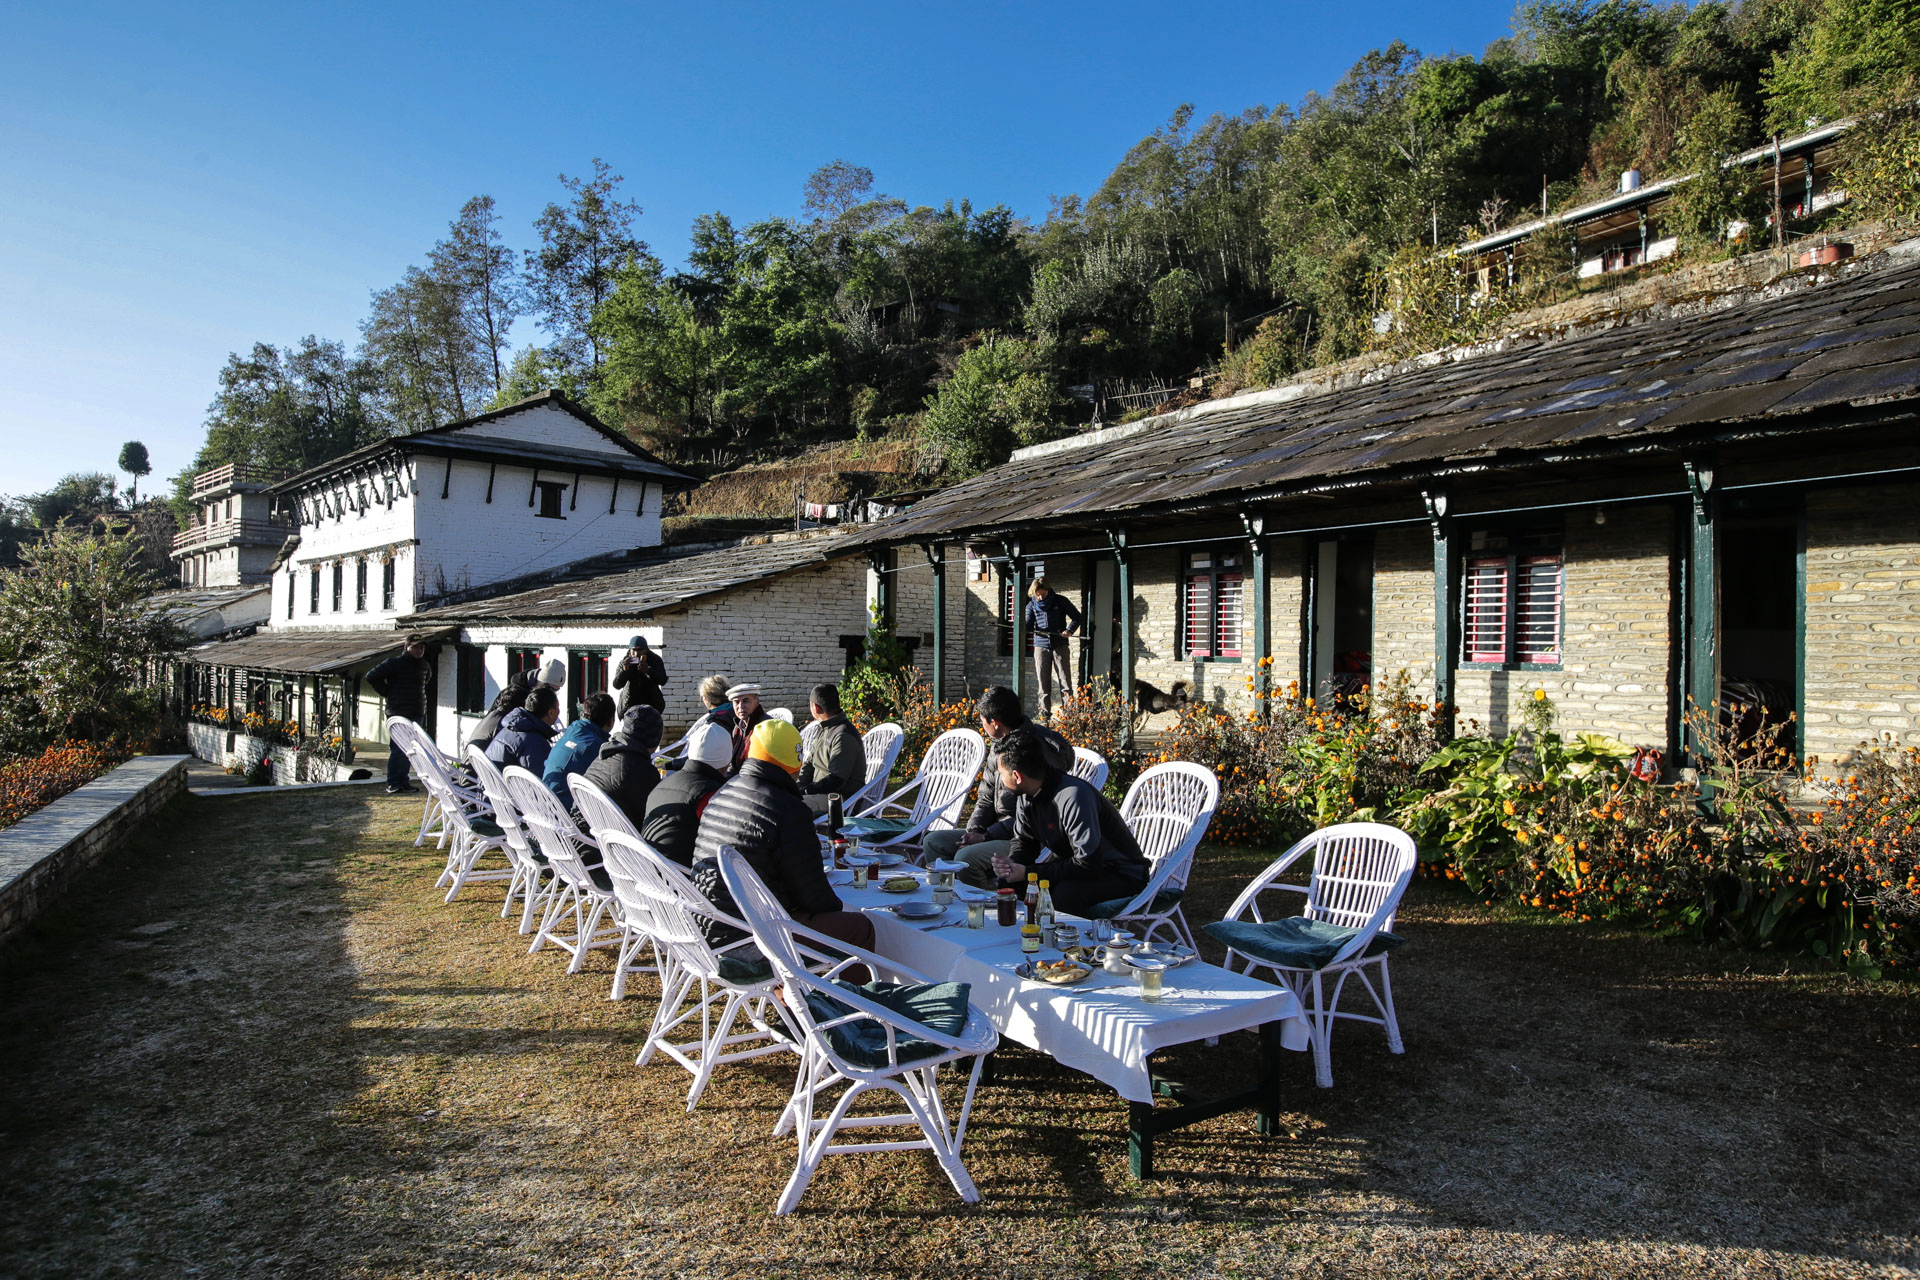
(257, 1045)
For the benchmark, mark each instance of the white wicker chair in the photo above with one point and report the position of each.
(533, 883)
(465, 822)
(603, 816)
(1360, 869)
(1090, 765)
(947, 773)
(781, 713)
(417, 746)
(1167, 808)
(910, 1052)
(705, 989)
(808, 733)
(579, 899)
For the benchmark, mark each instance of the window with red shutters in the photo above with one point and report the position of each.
(1196, 620)
(1485, 589)
(1512, 609)
(1212, 605)
(1537, 609)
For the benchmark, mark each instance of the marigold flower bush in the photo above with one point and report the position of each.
(33, 782)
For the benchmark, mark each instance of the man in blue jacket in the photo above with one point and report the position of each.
(1051, 618)
(579, 746)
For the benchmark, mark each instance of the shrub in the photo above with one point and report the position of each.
(1863, 844)
(34, 782)
(1098, 722)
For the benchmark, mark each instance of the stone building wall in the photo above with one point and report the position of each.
(1863, 618)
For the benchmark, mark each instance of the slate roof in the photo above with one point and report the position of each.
(1780, 359)
(300, 651)
(661, 582)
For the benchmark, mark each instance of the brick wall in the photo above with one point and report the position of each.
(1863, 618)
(1403, 606)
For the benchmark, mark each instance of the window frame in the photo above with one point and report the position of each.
(387, 576)
(1216, 572)
(469, 679)
(552, 493)
(339, 586)
(1523, 547)
(313, 591)
(522, 659)
(360, 585)
(582, 666)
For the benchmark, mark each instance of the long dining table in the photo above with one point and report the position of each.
(1101, 1026)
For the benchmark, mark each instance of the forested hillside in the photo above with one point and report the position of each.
(1234, 248)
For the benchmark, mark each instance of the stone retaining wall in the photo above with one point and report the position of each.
(42, 853)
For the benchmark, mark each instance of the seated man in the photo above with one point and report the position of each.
(837, 763)
(1065, 831)
(551, 675)
(579, 745)
(747, 715)
(526, 733)
(624, 768)
(672, 820)
(759, 812)
(990, 825)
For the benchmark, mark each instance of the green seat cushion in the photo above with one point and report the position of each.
(1295, 942)
(485, 827)
(938, 1006)
(1165, 900)
(744, 969)
(875, 826)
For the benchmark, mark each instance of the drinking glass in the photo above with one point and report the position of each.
(860, 869)
(1153, 984)
(976, 913)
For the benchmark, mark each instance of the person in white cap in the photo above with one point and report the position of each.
(747, 712)
(672, 821)
(551, 675)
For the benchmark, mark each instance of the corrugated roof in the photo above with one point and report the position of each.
(660, 583)
(1785, 358)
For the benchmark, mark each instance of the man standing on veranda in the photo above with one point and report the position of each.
(1052, 618)
(403, 680)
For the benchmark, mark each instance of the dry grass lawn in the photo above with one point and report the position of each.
(256, 1044)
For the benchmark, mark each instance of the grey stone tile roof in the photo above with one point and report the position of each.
(1781, 359)
(662, 581)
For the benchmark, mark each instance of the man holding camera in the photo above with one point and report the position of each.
(640, 676)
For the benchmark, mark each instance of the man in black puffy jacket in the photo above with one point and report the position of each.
(674, 809)
(760, 813)
(624, 768)
(403, 680)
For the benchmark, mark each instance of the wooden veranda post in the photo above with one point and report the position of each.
(1017, 567)
(1702, 659)
(937, 561)
(1446, 608)
(1123, 587)
(1256, 526)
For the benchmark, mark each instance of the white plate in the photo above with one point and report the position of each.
(886, 857)
(918, 909)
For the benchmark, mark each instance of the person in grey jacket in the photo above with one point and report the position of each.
(990, 825)
(836, 765)
(1067, 832)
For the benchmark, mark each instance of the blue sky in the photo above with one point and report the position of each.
(180, 182)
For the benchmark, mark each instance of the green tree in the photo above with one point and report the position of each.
(288, 409)
(431, 367)
(77, 641)
(1715, 196)
(583, 246)
(80, 498)
(475, 260)
(1854, 53)
(534, 370)
(134, 461)
(998, 397)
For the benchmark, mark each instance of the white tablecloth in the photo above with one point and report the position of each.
(1100, 1026)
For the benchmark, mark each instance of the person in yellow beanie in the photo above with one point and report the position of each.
(776, 742)
(760, 812)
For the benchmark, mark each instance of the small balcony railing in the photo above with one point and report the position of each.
(235, 475)
(225, 531)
